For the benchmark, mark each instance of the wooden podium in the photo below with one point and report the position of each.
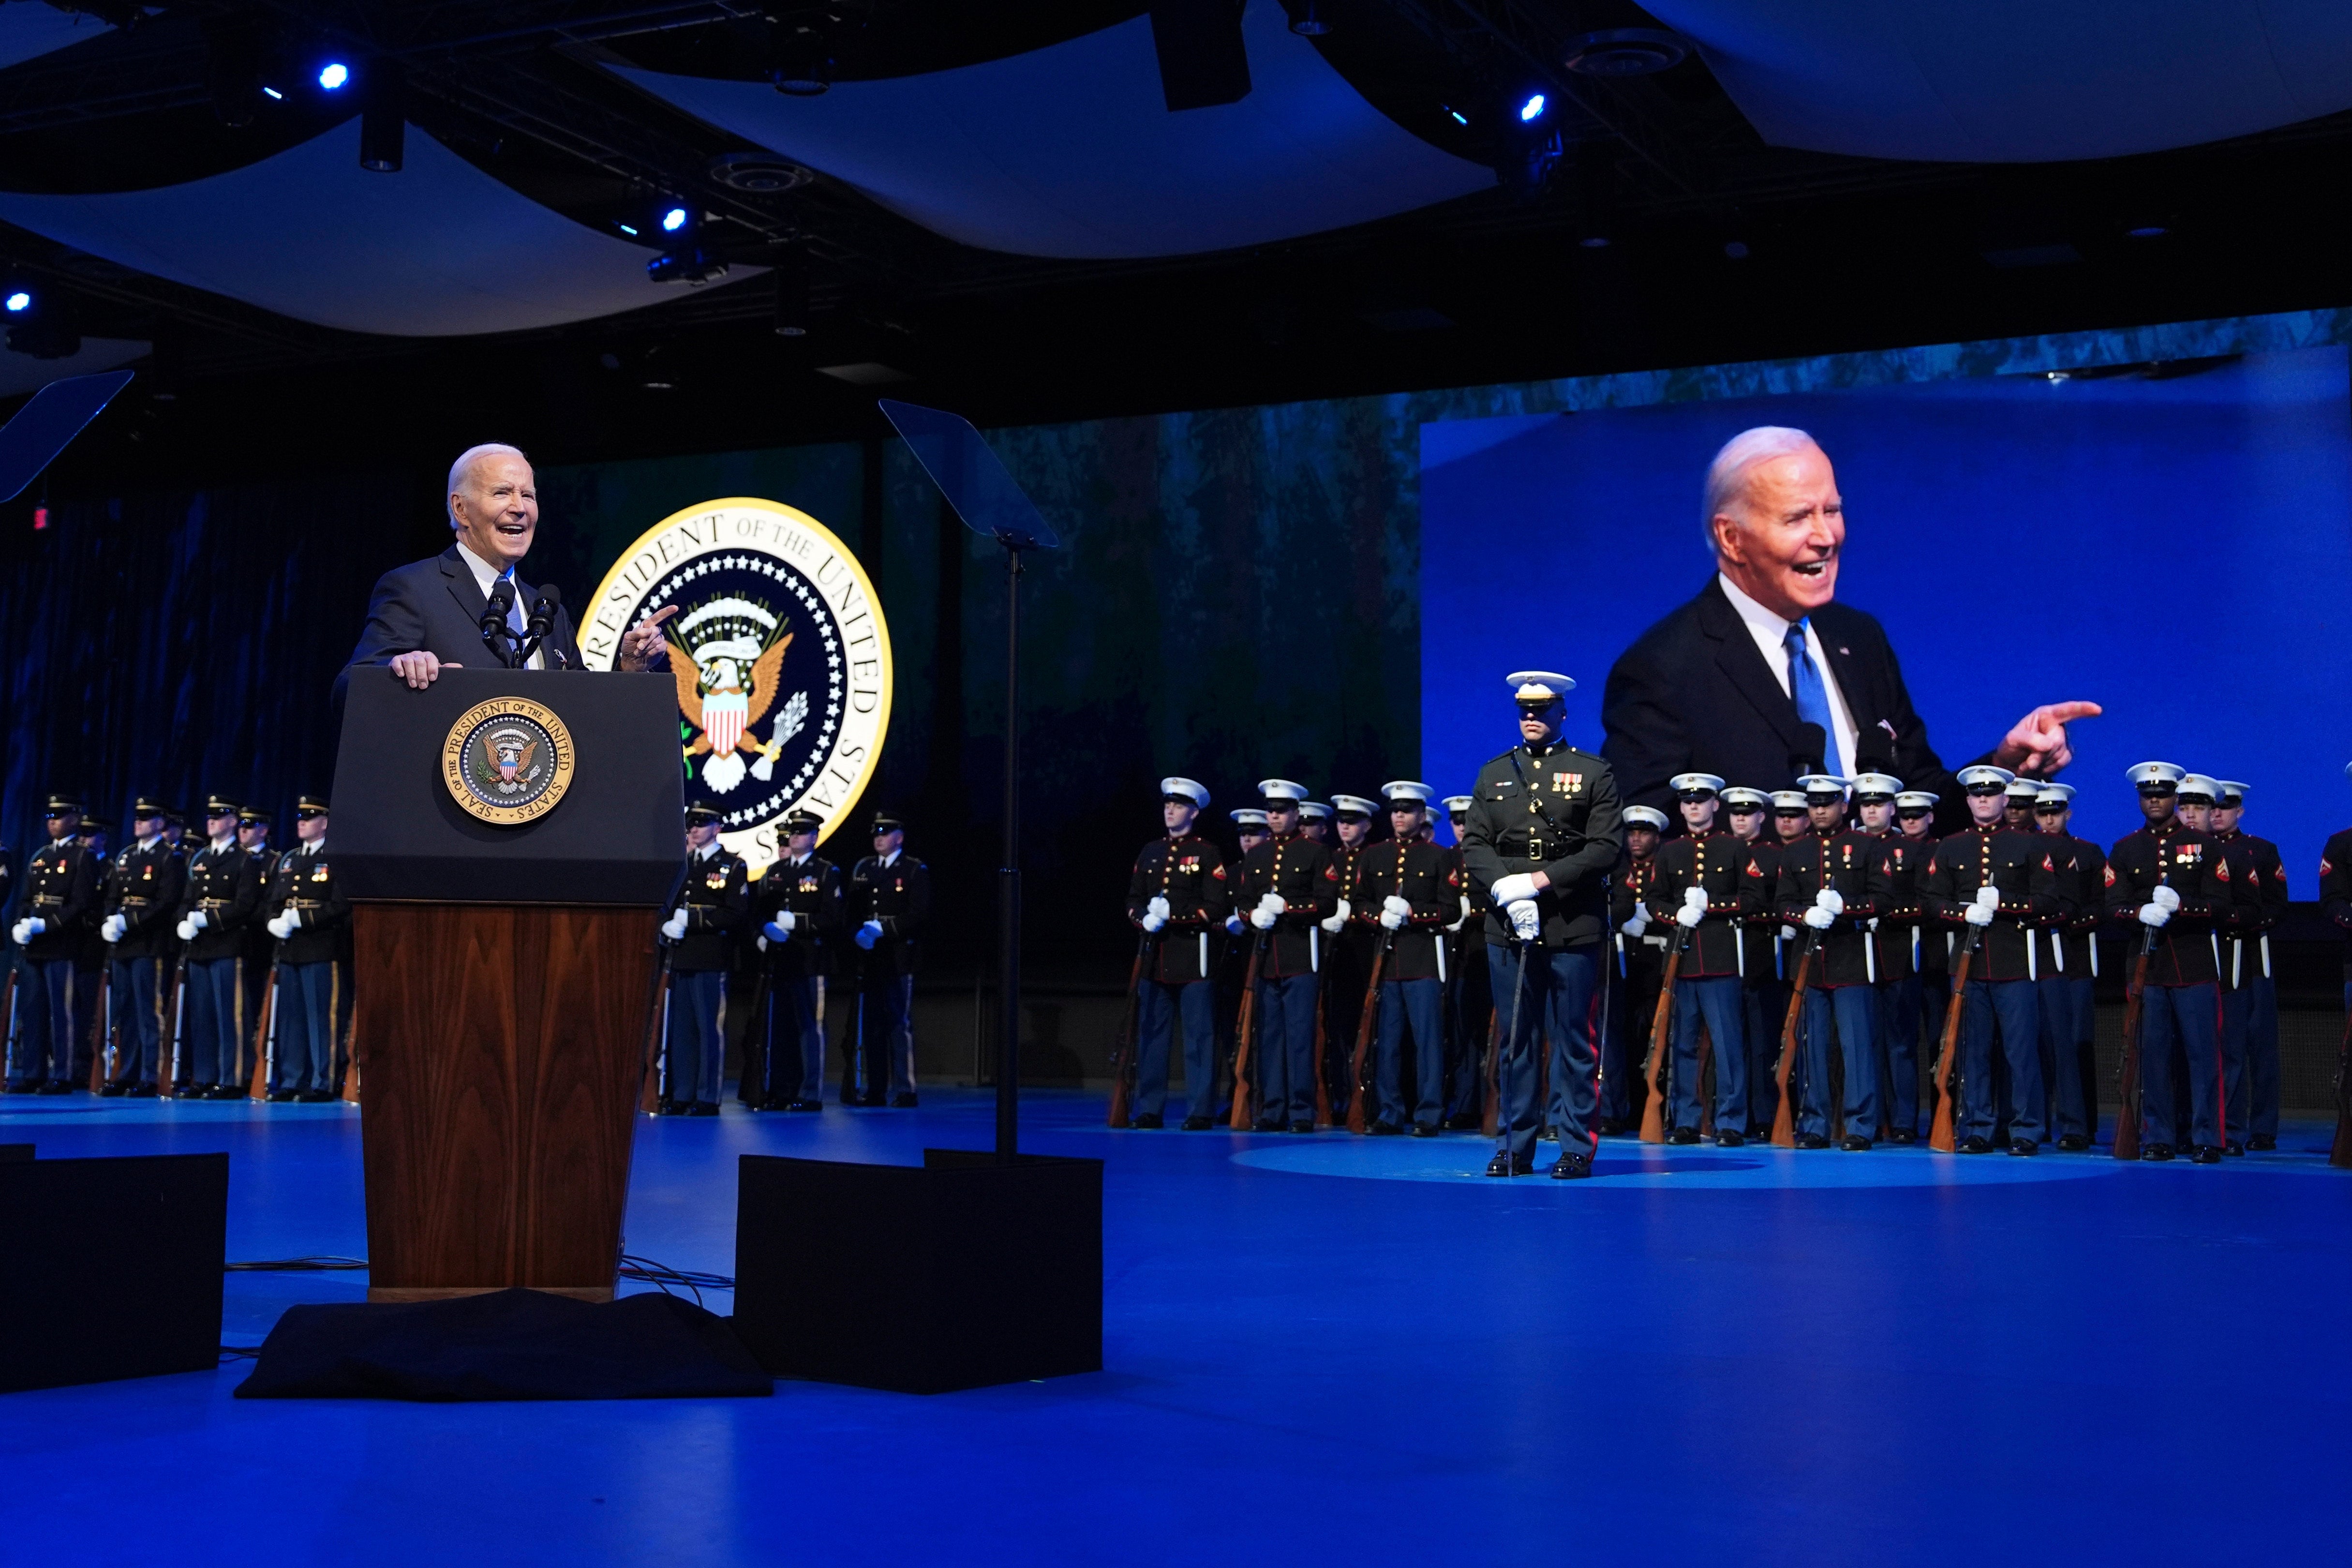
(503, 970)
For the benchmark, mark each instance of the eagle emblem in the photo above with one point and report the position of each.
(728, 658)
(508, 753)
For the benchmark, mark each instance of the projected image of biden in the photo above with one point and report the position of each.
(432, 614)
(1723, 684)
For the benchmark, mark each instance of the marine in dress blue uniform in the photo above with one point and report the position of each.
(2164, 881)
(1349, 939)
(1233, 964)
(59, 898)
(698, 931)
(1631, 995)
(1895, 936)
(310, 921)
(1833, 883)
(1544, 834)
(889, 907)
(1178, 898)
(1469, 991)
(223, 897)
(1695, 897)
(1409, 891)
(1288, 886)
(143, 892)
(2067, 991)
(2004, 883)
(2259, 1113)
(798, 909)
(1748, 811)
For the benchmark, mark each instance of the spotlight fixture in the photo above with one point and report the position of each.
(673, 220)
(18, 301)
(334, 76)
(1310, 23)
(1532, 109)
(801, 62)
(627, 229)
(687, 264)
(272, 94)
(42, 327)
(1456, 115)
(1626, 52)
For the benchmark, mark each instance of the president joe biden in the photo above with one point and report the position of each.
(1723, 684)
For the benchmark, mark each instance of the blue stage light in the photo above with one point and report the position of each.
(1532, 108)
(333, 75)
(18, 300)
(629, 229)
(1459, 118)
(272, 92)
(673, 220)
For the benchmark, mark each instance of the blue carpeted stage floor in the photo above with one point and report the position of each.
(1332, 1350)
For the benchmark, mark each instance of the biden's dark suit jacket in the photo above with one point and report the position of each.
(1693, 695)
(433, 606)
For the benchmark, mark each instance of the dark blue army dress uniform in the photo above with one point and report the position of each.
(311, 919)
(224, 895)
(1178, 898)
(59, 901)
(889, 906)
(1427, 881)
(1707, 981)
(700, 931)
(1288, 886)
(798, 908)
(1552, 809)
(144, 890)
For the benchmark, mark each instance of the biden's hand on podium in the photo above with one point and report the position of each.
(642, 641)
(2036, 744)
(421, 668)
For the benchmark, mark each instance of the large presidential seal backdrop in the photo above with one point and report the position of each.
(781, 655)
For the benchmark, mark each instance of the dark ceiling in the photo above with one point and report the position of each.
(1663, 233)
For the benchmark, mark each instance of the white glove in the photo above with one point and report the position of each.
(1514, 889)
(186, 931)
(1339, 918)
(35, 925)
(1988, 897)
(1262, 917)
(21, 932)
(1820, 919)
(198, 921)
(1694, 898)
(868, 934)
(787, 922)
(1788, 933)
(1153, 921)
(774, 930)
(674, 928)
(2153, 915)
(113, 928)
(281, 925)
(1273, 904)
(1638, 924)
(1233, 924)
(761, 944)
(1689, 915)
(1977, 914)
(1873, 923)
(1397, 907)
(2166, 897)
(1829, 898)
(1158, 906)
(1527, 920)
(1390, 918)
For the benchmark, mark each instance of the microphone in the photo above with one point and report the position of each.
(494, 620)
(1812, 746)
(543, 618)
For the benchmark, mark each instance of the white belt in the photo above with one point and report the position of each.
(2266, 955)
(1314, 947)
(1204, 955)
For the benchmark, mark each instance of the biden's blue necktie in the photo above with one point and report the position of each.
(1805, 684)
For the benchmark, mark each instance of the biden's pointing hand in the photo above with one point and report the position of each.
(2036, 744)
(639, 642)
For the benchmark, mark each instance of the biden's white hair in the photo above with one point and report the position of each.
(1728, 471)
(467, 459)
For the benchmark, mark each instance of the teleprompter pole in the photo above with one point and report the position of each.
(1008, 879)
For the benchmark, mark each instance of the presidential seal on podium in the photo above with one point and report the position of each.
(779, 654)
(506, 760)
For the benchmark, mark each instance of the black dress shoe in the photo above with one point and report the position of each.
(2156, 1152)
(280, 1096)
(2233, 1147)
(700, 1108)
(1266, 1126)
(805, 1105)
(1683, 1135)
(1900, 1135)
(669, 1108)
(1465, 1121)
(314, 1097)
(1572, 1166)
(115, 1090)
(2205, 1154)
(902, 1103)
(226, 1091)
(1725, 1138)
(2261, 1142)
(55, 1087)
(1197, 1124)
(1854, 1143)
(1147, 1121)
(1812, 1141)
(1302, 1127)
(1972, 1144)
(2024, 1148)
(1504, 1165)
(1608, 1127)
(141, 1091)
(2072, 1142)
(1425, 1129)
(1384, 1130)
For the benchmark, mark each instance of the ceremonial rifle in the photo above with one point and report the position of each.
(1490, 1115)
(1122, 1053)
(264, 1036)
(2339, 1152)
(1364, 1026)
(1322, 1085)
(1654, 1108)
(102, 1059)
(2127, 1071)
(167, 1081)
(1784, 1116)
(654, 1065)
(1244, 1021)
(1943, 1131)
(1494, 1128)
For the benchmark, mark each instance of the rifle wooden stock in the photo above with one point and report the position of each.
(1943, 1131)
(2339, 1152)
(2126, 1145)
(1364, 1027)
(1491, 1117)
(1784, 1114)
(1122, 1051)
(1322, 1083)
(101, 1049)
(1662, 1021)
(265, 1041)
(1244, 1021)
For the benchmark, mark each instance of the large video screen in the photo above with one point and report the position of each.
(2174, 542)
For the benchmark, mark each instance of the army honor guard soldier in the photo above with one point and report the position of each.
(890, 904)
(1696, 896)
(143, 892)
(309, 917)
(61, 894)
(1178, 893)
(799, 907)
(1410, 891)
(711, 902)
(1288, 887)
(224, 894)
(1544, 834)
